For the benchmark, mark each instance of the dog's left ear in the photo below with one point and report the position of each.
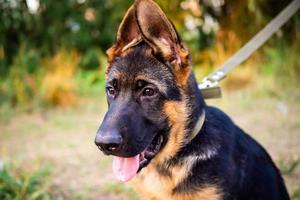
(161, 35)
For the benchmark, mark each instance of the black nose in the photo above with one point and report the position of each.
(108, 142)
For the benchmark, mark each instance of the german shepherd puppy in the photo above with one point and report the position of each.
(162, 135)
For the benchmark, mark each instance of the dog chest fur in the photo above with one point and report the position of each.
(151, 185)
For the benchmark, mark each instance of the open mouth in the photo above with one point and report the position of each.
(150, 152)
(126, 168)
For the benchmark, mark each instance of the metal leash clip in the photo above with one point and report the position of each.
(210, 87)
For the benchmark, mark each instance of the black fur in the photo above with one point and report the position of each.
(241, 166)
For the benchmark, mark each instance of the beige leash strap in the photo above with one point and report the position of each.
(210, 85)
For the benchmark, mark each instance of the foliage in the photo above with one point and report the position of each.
(52, 53)
(89, 82)
(20, 87)
(58, 84)
(90, 60)
(73, 24)
(283, 59)
(20, 186)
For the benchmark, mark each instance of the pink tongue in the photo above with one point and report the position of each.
(125, 168)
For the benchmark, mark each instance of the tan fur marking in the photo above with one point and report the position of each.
(181, 64)
(151, 185)
(179, 173)
(184, 70)
(177, 113)
(206, 193)
(133, 43)
(156, 187)
(111, 53)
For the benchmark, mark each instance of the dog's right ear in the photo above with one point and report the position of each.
(161, 35)
(128, 35)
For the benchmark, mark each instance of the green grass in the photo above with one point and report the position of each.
(289, 167)
(16, 184)
(296, 194)
(120, 188)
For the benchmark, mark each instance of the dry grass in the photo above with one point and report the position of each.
(63, 138)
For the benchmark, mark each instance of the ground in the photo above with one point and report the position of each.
(63, 140)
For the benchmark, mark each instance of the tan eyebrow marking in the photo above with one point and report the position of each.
(160, 85)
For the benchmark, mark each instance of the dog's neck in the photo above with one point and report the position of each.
(196, 108)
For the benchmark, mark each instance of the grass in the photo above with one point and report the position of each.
(117, 188)
(296, 194)
(17, 184)
(289, 167)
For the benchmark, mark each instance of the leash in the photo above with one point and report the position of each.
(210, 87)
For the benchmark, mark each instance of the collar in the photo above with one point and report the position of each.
(198, 127)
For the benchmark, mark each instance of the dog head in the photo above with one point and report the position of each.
(150, 92)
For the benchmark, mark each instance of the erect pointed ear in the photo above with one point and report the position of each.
(128, 35)
(161, 35)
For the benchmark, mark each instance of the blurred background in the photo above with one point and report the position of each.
(52, 63)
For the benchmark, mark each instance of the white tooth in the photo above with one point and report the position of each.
(160, 139)
(142, 156)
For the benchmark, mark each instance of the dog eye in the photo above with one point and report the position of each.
(110, 91)
(148, 92)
